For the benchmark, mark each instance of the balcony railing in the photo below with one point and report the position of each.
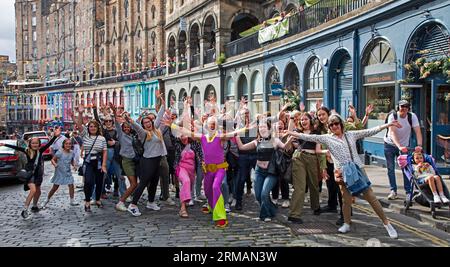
(195, 60)
(210, 56)
(301, 21)
(183, 65)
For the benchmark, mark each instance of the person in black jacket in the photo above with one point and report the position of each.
(34, 153)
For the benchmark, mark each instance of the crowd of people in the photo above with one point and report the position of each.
(217, 151)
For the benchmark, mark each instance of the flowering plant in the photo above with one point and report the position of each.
(422, 69)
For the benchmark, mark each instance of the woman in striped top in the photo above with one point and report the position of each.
(342, 145)
(95, 157)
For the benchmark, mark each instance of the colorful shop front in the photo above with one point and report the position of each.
(141, 96)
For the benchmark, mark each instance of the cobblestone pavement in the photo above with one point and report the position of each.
(65, 225)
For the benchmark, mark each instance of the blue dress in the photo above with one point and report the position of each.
(63, 174)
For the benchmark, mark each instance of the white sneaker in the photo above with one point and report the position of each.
(72, 203)
(202, 197)
(92, 202)
(129, 199)
(152, 206)
(392, 195)
(134, 211)
(267, 219)
(285, 204)
(391, 231)
(233, 203)
(45, 204)
(345, 228)
(169, 201)
(227, 208)
(444, 199)
(191, 203)
(436, 199)
(121, 206)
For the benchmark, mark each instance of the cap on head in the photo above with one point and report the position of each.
(403, 103)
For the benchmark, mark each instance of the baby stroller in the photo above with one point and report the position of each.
(421, 193)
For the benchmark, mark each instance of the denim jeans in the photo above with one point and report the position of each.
(391, 153)
(264, 183)
(246, 163)
(113, 168)
(225, 189)
(198, 179)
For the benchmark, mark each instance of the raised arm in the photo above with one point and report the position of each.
(248, 146)
(373, 131)
(135, 126)
(79, 119)
(21, 149)
(323, 139)
(96, 117)
(46, 146)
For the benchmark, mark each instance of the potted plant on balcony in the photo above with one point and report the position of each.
(221, 59)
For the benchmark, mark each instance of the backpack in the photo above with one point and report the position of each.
(394, 112)
(138, 147)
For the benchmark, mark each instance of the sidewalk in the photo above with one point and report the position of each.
(380, 185)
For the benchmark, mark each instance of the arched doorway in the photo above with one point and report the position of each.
(209, 31)
(196, 98)
(341, 82)
(241, 23)
(171, 58)
(194, 45)
(291, 78)
(313, 83)
(426, 57)
(182, 51)
(273, 83)
(242, 87)
(171, 99)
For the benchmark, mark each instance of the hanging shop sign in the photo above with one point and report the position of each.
(379, 78)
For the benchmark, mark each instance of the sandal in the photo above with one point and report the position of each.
(183, 214)
(99, 204)
(221, 223)
(205, 210)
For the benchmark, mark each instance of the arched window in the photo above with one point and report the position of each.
(314, 83)
(125, 6)
(153, 12)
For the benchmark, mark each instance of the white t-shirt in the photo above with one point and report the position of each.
(404, 133)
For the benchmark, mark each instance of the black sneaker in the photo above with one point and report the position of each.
(329, 209)
(340, 221)
(35, 209)
(25, 214)
(295, 220)
(317, 211)
(238, 206)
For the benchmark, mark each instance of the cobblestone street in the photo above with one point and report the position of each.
(63, 225)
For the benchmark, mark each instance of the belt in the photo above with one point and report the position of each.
(214, 167)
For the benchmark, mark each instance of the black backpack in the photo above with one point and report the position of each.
(394, 113)
(138, 147)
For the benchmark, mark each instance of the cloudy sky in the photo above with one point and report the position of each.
(7, 29)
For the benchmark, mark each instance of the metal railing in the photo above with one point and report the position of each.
(301, 21)
(195, 60)
(210, 56)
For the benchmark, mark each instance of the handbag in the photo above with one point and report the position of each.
(138, 148)
(82, 169)
(355, 179)
(23, 175)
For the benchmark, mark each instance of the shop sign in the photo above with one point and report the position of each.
(380, 77)
(314, 94)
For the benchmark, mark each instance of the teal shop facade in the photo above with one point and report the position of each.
(141, 96)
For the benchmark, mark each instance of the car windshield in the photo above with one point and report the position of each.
(44, 141)
(7, 150)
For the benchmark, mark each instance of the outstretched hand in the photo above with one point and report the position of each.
(166, 121)
(395, 123)
(369, 109)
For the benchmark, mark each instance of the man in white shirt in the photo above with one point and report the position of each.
(398, 140)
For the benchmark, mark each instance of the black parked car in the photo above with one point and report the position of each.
(10, 160)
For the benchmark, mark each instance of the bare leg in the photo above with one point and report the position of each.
(52, 191)
(30, 196)
(37, 195)
(430, 182)
(133, 185)
(71, 191)
(438, 181)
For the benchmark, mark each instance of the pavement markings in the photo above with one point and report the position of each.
(436, 240)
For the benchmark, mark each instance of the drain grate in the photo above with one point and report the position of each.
(310, 228)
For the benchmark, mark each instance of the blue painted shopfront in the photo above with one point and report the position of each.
(140, 97)
(362, 61)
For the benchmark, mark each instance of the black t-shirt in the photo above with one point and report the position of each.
(307, 144)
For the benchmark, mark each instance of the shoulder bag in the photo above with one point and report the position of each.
(82, 169)
(24, 175)
(355, 179)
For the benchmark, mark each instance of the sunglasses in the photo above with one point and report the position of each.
(334, 124)
(108, 121)
(404, 106)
